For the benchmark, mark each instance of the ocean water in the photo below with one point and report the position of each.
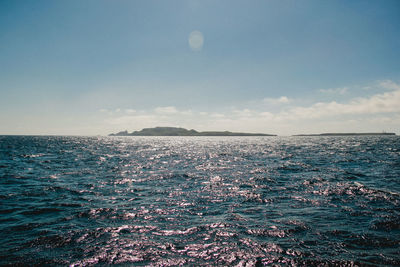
(245, 201)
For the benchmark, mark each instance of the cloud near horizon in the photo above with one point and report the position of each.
(277, 101)
(166, 110)
(340, 91)
(371, 113)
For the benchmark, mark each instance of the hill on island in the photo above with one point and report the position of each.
(175, 131)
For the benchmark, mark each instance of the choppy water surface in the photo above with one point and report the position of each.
(199, 200)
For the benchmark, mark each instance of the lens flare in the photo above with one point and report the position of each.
(196, 40)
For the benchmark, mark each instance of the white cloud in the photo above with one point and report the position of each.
(217, 115)
(187, 112)
(130, 111)
(243, 113)
(276, 101)
(387, 84)
(370, 113)
(166, 110)
(380, 103)
(340, 91)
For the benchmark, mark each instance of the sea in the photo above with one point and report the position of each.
(200, 201)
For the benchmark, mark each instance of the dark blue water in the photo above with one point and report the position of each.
(246, 201)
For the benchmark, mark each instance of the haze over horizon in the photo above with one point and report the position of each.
(99, 67)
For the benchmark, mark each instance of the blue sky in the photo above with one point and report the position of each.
(285, 67)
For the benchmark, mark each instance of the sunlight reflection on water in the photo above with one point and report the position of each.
(199, 200)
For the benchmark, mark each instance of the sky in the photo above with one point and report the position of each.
(282, 67)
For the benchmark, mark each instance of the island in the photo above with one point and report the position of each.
(344, 134)
(176, 131)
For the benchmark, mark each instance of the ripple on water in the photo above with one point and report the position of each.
(199, 201)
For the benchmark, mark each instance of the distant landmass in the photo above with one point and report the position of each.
(344, 134)
(174, 131)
